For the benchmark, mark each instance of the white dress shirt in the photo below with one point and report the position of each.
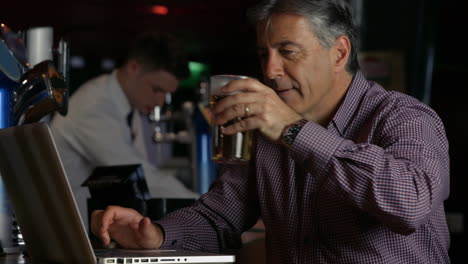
(95, 133)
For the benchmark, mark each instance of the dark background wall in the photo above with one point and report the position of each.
(449, 98)
(431, 33)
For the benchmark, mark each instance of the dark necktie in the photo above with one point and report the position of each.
(129, 123)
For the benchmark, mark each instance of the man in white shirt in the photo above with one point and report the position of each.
(96, 130)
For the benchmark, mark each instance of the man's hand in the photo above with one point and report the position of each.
(127, 227)
(259, 106)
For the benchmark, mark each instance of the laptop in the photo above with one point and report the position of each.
(46, 212)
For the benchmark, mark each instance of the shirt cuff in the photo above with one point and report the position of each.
(173, 235)
(314, 146)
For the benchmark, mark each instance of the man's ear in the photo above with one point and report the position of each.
(341, 52)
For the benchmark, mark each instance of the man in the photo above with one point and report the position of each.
(96, 130)
(343, 171)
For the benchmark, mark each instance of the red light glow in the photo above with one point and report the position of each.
(159, 10)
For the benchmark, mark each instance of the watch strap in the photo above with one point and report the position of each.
(290, 132)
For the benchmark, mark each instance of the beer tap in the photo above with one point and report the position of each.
(41, 91)
(164, 117)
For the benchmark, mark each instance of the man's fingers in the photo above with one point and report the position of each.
(120, 224)
(107, 219)
(96, 221)
(105, 238)
(236, 111)
(239, 99)
(98, 227)
(245, 124)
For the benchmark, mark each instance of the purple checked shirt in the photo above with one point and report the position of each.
(369, 188)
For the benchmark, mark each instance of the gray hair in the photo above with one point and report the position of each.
(329, 19)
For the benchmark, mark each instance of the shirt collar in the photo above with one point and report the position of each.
(121, 100)
(357, 89)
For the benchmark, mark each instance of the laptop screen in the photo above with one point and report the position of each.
(46, 211)
(41, 197)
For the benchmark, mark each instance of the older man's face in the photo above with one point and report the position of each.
(296, 65)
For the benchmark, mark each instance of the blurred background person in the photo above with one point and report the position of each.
(100, 129)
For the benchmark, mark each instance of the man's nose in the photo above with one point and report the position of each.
(273, 67)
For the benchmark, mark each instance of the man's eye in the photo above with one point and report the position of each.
(292, 55)
(286, 52)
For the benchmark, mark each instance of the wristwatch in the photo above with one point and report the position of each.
(290, 132)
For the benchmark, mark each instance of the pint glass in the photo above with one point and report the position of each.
(230, 149)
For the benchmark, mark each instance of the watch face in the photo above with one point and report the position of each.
(291, 132)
